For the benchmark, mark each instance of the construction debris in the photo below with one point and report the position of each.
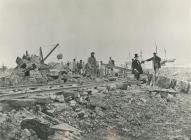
(53, 103)
(133, 114)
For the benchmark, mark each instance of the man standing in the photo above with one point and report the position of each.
(156, 64)
(79, 65)
(92, 64)
(83, 67)
(136, 67)
(74, 66)
(111, 64)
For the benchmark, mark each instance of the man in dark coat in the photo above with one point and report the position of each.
(136, 67)
(92, 65)
(156, 63)
(111, 64)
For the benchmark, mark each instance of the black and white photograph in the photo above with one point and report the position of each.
(95, 69)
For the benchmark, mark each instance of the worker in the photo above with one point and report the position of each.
(79, 66)
(98, 68)
(67, 65)
(74, 66)
(156, 64)
(136, 67)
(83, 67)
(101, 69)
(111, 64)
(92, 64)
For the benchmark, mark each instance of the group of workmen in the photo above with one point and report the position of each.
(93, 68)
(80, 67)
(77, 67)
(137, 68)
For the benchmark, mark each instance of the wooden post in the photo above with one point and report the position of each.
(156, 48)
(165, 53)
(141, 54)
(41, 55)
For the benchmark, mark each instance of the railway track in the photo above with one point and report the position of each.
(34, 85)
(28, 91)
(13, 89)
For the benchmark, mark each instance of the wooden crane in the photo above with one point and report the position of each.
(43, 59)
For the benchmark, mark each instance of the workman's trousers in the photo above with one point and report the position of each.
(93, 72)
(155, 75)
(136, 75)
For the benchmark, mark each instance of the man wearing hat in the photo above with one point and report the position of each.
(111, 64)
(156, 64)
(92, 64)
(136, 67)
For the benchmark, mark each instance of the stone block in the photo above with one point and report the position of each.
(163, 82)
(59, 107)
(182, 86)
(60, 98)
(4, 107)
(111, 87)
(122, 86)
(173, 83)
(63, 127)
(16, 103)
(41, 129)
(112, 78)
(189, 91)
(97, 100)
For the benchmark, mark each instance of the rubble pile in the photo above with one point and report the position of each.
(29, 125)
(10, 125)
(171, 79)
(114, 110)
(108, 111)
(177, 85)
(183, 74)
(31, 70)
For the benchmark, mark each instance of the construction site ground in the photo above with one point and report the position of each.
(111, 111)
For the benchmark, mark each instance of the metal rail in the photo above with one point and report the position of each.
(34, 86)
(43, 90)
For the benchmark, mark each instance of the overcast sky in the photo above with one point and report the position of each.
(108, 27)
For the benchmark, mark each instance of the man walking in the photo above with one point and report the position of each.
(136, 67)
